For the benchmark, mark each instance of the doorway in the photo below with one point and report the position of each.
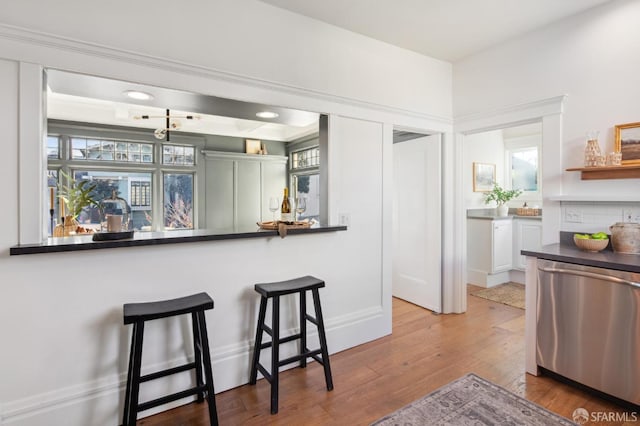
(417, 242)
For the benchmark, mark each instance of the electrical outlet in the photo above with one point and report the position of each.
(631, 215)
(573, 215)
(344, 219)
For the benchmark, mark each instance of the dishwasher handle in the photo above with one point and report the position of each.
(590, 275)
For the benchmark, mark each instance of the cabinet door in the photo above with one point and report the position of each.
(248, 194)
(502, 245)
(220, 195)
(274, 180)
(528, 237)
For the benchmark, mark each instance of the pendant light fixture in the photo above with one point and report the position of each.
(171, 123)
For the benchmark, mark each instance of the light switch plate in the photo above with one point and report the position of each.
(344, 219)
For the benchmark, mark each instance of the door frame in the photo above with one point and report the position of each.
(549, 111)
(440, 142)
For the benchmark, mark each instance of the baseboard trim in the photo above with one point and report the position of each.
(230, 365)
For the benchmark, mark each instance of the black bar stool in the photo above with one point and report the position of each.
(274, 291)
(137, 314)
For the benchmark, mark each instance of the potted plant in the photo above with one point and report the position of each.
(76, 196)
(501, 196)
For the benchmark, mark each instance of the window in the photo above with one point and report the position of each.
(178, 201)
(156, 180)
(108, 182)
(305, 158)
(140, 194)
(53, 147)
(109, 150)
(176, 154)
(524, 169)
(305, 180)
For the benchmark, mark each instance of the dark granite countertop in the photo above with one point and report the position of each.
(567, 252)
(84, 242)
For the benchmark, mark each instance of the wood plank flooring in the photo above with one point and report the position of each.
(425, 352)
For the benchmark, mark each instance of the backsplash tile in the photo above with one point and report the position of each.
(583, 216)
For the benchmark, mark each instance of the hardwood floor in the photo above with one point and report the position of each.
(425, 352)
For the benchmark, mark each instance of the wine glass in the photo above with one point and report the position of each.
(274, 205)
(301, 205)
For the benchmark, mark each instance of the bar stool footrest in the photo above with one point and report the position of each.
(171, 398)
(299, 357)
(265, 373)
(163, 373)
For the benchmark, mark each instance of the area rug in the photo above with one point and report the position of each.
(511, 294)
(471, 400)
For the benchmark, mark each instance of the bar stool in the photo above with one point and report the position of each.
(137, 314)
(274, 291)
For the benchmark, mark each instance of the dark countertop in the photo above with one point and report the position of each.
(571, 254)
(84, 242)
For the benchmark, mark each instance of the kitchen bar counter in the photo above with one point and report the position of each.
(84, 242)
(567, 252)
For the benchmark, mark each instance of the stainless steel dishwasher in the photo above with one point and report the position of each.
(588, 326)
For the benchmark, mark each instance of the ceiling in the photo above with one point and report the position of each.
(445, 29)
(90, 99)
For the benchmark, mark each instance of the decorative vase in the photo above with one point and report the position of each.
(502, 210)
(592, 153)
(69, 227)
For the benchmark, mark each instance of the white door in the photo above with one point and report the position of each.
(416, 222)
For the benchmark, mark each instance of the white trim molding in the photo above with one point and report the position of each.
(512, 115)
(61, 406)
(222, 155)
(53, 41)
(549, 112)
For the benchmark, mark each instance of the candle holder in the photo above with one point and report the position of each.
(52, 221)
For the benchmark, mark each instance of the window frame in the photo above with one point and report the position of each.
(65, 132)
(294, 173)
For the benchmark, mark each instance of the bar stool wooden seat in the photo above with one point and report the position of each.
(137, 314)
(274, 291)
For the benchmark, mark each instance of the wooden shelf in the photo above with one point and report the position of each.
(608, 172)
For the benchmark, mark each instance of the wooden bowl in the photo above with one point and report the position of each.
(590, 244)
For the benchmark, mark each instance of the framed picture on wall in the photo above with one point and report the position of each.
(628, 142)
(483, 177)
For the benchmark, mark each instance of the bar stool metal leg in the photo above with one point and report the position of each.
(258, 343)
(197, 353)
(211, 397)
(275, 350)
(323, 339)
(303, 328)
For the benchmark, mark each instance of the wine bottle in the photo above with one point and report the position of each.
(285, 208)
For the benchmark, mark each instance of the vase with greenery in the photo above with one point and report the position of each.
(76, 195)
(500, 196)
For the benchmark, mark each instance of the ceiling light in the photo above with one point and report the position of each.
(267, 114)
(137, 95)
(170, 123)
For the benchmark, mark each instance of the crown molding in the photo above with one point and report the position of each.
(53, 41)
(517, 114)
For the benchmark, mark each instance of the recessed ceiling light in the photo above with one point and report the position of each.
(267, 114)
(140, 96)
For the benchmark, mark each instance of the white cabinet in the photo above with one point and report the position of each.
(489, 251)
(238, 187)
(501, 243)
(527, 236)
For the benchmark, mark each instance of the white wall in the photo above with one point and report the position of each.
(485, 147)
(590, 57)
(65, 348)
(254, 39)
